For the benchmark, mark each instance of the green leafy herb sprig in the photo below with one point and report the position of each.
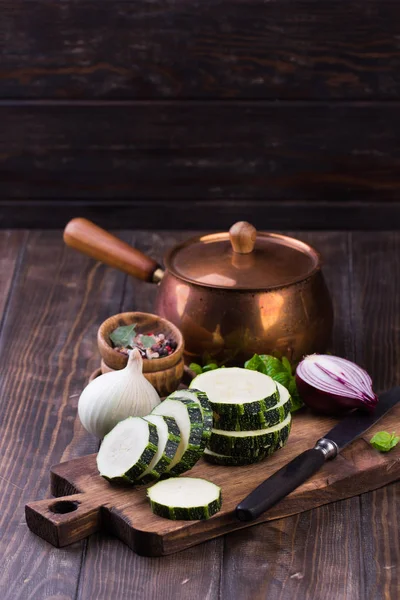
(384, 441)
(198, 369)
(279, 370)
(124, 337)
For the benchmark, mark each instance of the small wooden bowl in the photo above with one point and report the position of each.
(164, 373)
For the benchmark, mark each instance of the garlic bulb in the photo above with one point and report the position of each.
(114, 396)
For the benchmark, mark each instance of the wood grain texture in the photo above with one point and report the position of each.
(190, 575)
(168, 49)
(12, 244)
(208, 215)
(380, 512)
(48, 348)
(376, 322)
(126, 512)
(200, 150)
(312, 556)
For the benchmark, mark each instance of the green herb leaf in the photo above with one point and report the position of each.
(280, 371)
(287, 364)
(384, 441)
(255, 364)
(122, 337)
(272, 365)
(196, 368)
(210, 367)
(297, 402)
(148, 340)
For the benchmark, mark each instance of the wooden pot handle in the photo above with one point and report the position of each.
(65, 520)
(88, 238)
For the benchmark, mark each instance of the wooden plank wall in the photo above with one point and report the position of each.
(169, 113)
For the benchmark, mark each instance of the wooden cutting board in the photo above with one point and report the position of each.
(125, 512)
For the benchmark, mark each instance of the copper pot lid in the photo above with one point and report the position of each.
(243, 259)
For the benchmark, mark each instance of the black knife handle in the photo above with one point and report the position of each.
(280, 484)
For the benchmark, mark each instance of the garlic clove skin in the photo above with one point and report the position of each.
(115, 396)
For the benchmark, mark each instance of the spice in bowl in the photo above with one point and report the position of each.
(150, 345)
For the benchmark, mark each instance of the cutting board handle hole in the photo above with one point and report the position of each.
(63, 506)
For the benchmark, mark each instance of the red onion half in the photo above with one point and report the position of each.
(333, 385)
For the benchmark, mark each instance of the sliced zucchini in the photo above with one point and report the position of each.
(261, 420)
(236, 392)
(189, 418)
(202, 399)
(185, 498)
(168, 442)
(250, 443)
(127, 450)
(236, 461)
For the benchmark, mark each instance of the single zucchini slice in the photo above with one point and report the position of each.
(236, 392)
(236, 461)
(250, 443)
(185, 498)
(189, 418)
(168, 442)
(261, 420)
(127, 450)
(202, 399)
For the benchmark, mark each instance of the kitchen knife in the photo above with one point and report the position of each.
(289, 477)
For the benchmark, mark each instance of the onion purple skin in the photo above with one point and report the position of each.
(329, 404)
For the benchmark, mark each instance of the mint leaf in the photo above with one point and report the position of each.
(384, 441)
(280, 371)
(196, 368)
(122, 337)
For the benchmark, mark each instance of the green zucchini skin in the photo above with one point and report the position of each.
(248, 446)
(142, 463)
(251, 422)
(147, 455)
(169, 452)
(187, 514)
(238, 461)
(202, 398)
(196, 443)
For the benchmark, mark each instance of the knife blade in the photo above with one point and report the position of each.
(297, 471)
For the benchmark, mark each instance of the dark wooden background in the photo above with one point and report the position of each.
(170, 113)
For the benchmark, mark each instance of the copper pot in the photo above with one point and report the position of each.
(231, 294)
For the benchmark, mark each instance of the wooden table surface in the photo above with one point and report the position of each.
(52, 301)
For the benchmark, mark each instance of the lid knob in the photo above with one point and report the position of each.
(243, 237)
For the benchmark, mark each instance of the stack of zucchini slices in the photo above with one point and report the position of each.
(166, 443)
(232, 417)
(251, 415)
